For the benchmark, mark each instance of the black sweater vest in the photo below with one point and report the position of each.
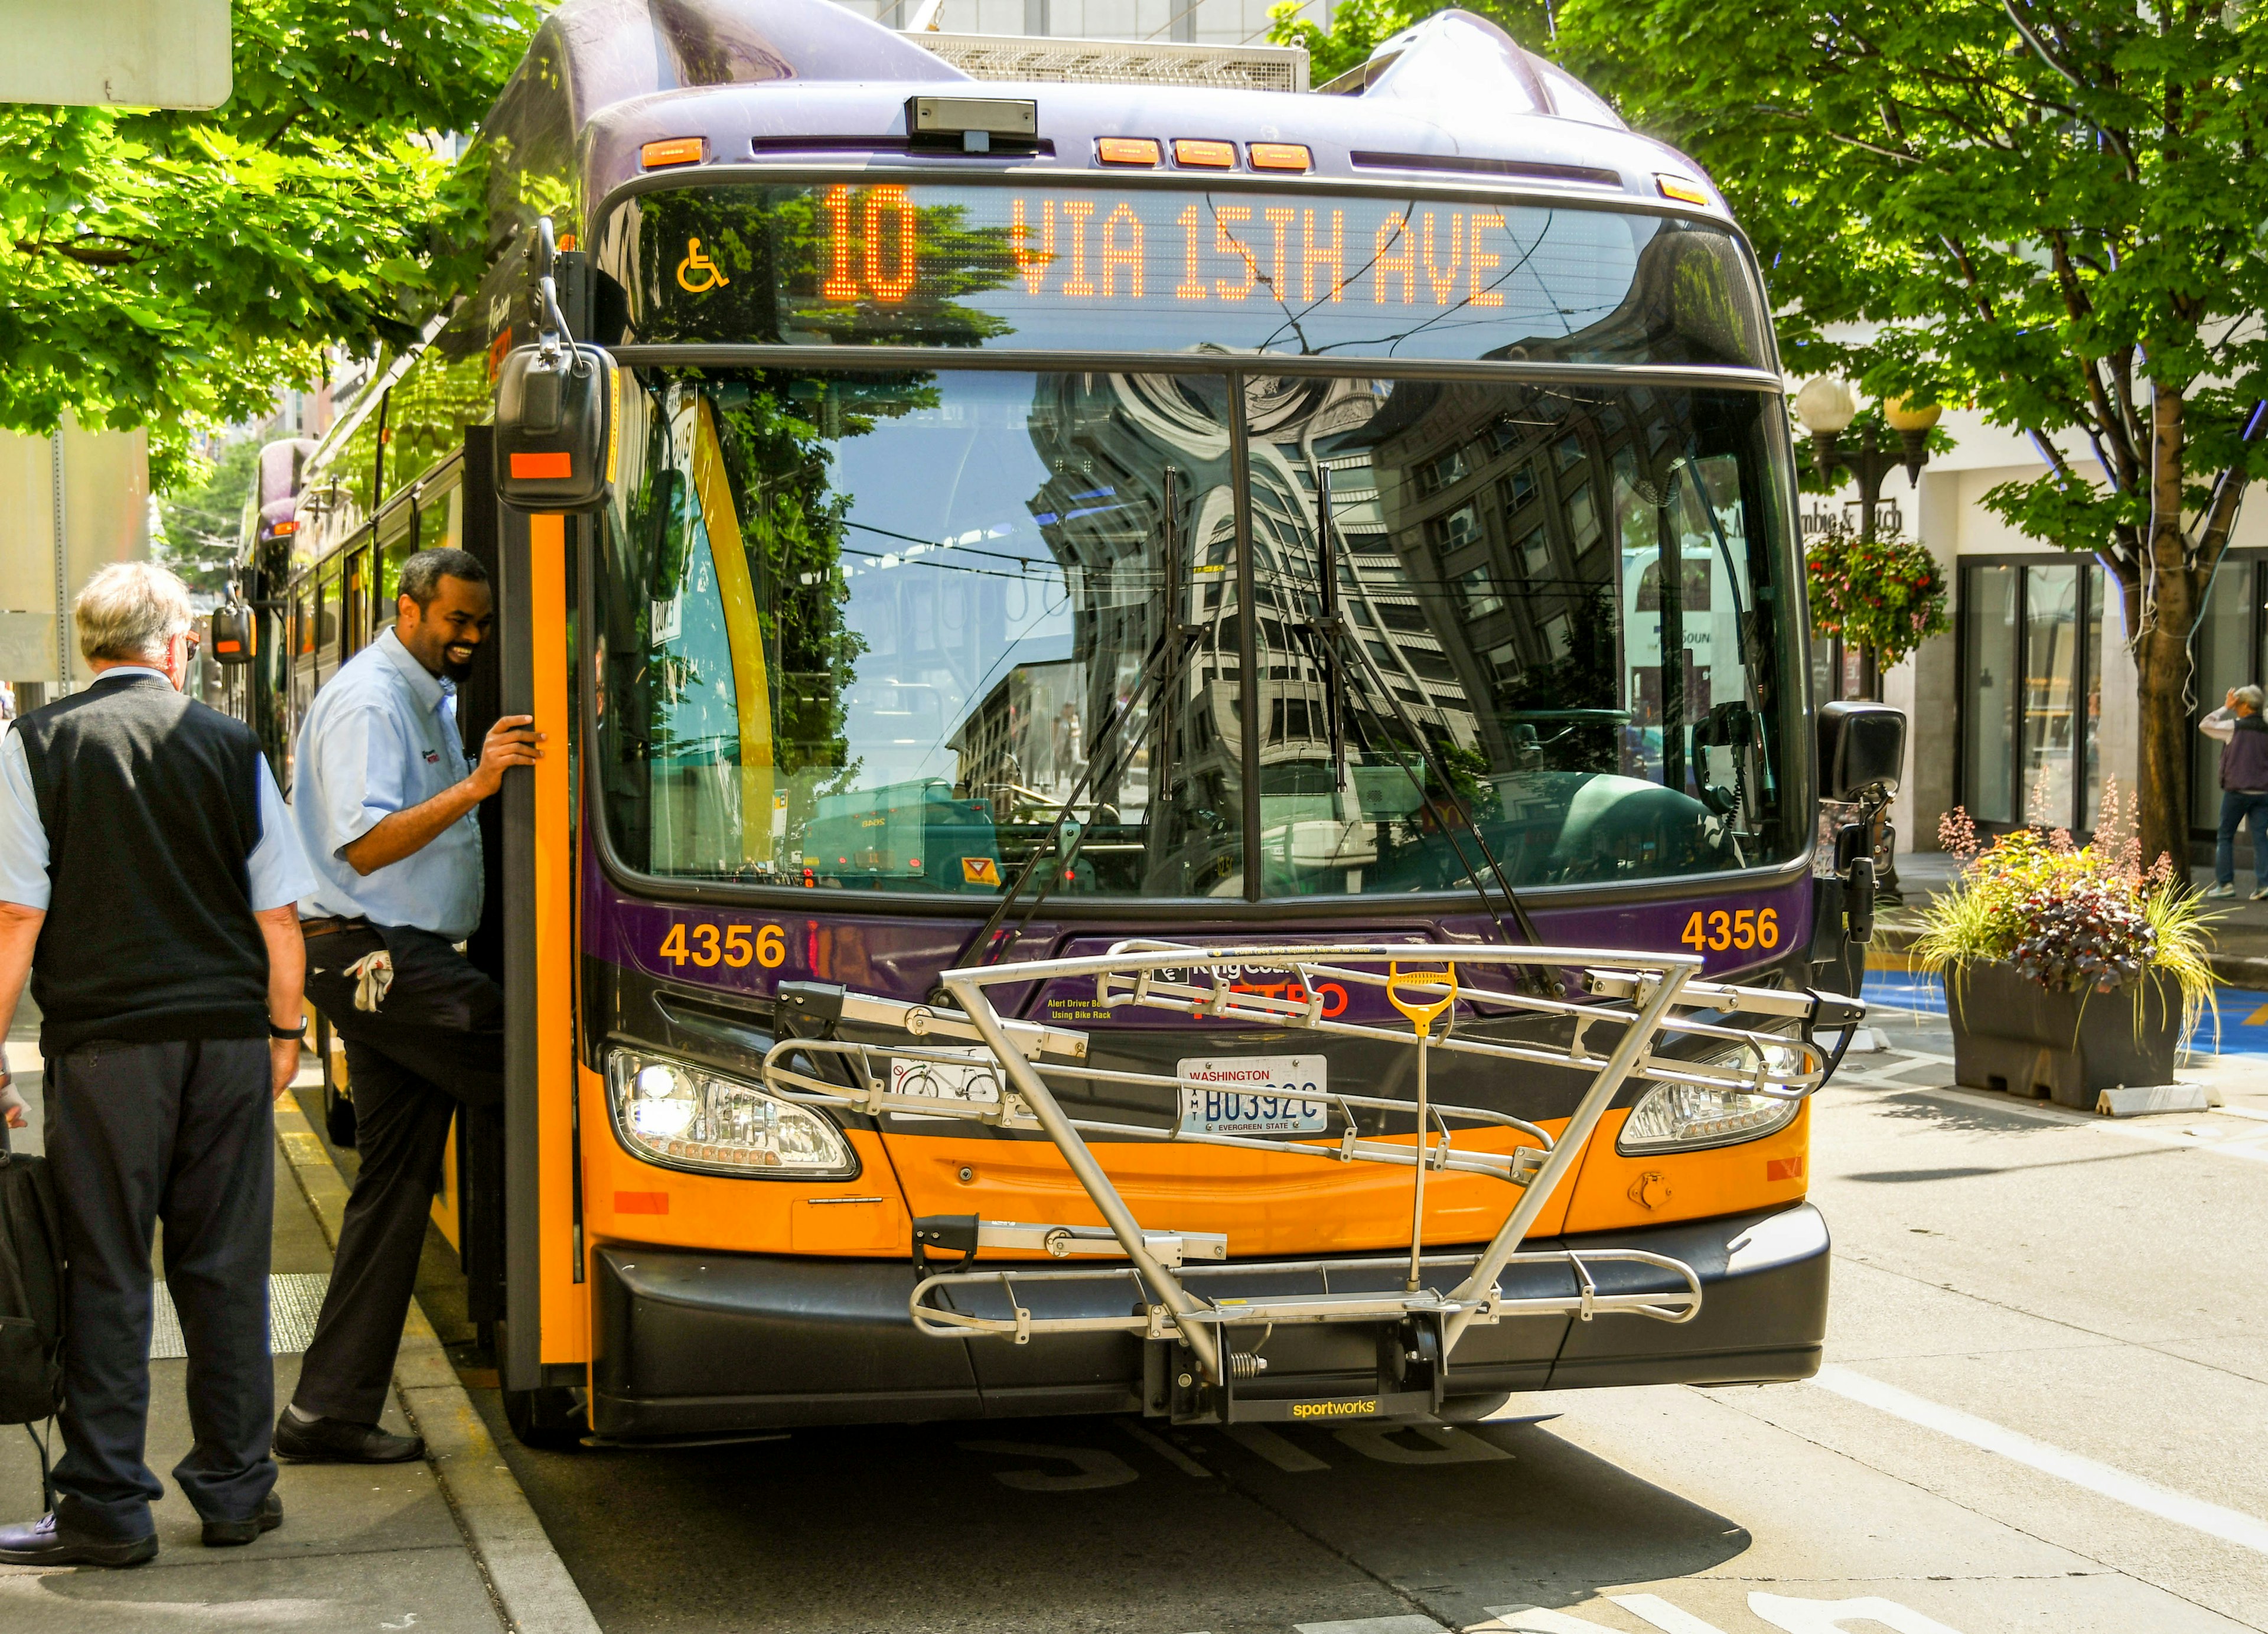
(152, 805)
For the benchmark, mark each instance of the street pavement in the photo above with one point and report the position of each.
(2042, 1412)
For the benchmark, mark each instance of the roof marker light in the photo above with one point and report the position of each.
(1204, 155)
(1684, 190)
(1127, 150)
(1279, 156)
(676, 151)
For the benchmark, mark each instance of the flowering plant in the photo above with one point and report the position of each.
(2074, 918)
(1885, 595)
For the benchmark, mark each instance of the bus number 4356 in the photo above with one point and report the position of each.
(1744, 928)
(730, 947)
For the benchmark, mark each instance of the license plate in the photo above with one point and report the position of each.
(1253, 1094)
(976, 1083)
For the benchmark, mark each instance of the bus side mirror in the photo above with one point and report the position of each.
(1862, 750)
(558, 406)
(231, 637)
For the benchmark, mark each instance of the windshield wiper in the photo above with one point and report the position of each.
(1332, 632)
(1106, 758)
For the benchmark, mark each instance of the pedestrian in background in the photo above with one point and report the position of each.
(2243, 738)
(148, 876)
(385, 803)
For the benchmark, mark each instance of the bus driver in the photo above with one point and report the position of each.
(384, 804)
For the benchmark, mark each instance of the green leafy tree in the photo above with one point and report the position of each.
(171, 270)
(201, 523)
(2052, 208)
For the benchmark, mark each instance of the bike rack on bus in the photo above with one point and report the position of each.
(1636, 999)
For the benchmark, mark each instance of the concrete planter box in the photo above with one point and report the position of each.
(2011, 1034)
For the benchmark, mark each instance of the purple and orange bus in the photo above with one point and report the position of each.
(1158, 503)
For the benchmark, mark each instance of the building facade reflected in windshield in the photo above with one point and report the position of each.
(876, 631)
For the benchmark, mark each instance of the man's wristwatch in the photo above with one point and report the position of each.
(298, 1032)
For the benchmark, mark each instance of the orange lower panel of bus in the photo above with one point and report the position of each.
(1266, 1206)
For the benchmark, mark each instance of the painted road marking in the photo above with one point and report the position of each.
(1828, 1617)
(1533, 1619)
(1794, 1616)
(2229, 1525)
(1166, 1450)
(1655, 1609)
(1450, 1444)
(1375, 1625)
(1262, 1442)
(1096, 1467)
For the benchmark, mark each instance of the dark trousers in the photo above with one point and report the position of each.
(408, 1075)
(182, 1133)
(2238, 810)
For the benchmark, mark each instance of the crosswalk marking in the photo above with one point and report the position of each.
(1374, 1625)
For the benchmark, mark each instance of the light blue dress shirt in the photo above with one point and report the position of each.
(277, 870)
(382, 736)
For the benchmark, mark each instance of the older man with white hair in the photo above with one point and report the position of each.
(149, 874)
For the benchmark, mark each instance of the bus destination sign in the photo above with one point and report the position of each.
(1168, 269)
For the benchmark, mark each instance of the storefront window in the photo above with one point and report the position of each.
(2051, 673)
(2228, 655)
(2031, 637)
(1989, 676)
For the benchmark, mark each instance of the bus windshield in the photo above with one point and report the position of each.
(871, 631)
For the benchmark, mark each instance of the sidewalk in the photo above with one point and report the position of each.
(441, 1547)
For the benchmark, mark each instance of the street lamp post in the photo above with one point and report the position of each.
(1826, 407)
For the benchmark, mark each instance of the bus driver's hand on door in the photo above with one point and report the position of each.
(512, 741)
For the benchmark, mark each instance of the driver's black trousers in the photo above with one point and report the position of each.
(434, 1042)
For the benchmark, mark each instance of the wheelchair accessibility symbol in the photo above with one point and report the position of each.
(697, 266)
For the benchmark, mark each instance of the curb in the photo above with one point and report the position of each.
(533, 1592)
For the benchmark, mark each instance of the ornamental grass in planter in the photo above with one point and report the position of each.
(2069, 969)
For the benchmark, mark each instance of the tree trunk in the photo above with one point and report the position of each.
(2162, 652)
(2162, 656)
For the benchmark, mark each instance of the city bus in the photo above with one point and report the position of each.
(1074, 512)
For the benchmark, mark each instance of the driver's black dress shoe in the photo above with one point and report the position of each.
(227, 1534)
(335, 1441)
(49, 1541)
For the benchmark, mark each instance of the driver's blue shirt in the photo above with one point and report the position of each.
(382, 736)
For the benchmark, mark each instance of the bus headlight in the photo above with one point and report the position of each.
(1686, 1117)
(690, 1117)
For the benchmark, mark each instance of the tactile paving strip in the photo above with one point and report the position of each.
(294, 1300)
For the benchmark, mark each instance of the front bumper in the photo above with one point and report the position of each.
(691, 1343)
